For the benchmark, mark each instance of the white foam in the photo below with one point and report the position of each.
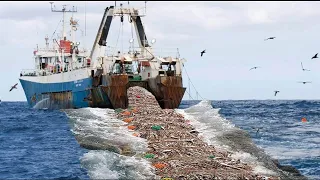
(103, 124)
(109, 165)
(43, 104)
(208, 122)
(258, 167)
(211, 125)
(244, 157)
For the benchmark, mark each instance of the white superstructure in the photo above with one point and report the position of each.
(61, 60)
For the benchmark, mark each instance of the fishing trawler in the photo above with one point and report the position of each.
(68, 76)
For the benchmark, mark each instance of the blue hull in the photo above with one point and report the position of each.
(66, 95)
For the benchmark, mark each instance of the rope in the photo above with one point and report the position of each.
(55, 29)
(51, 38)
(190, 95)
(117, 39)
(192, 85)
(132, 30)
(122, 37)
(135, 66)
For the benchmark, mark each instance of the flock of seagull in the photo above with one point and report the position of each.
(256, 67)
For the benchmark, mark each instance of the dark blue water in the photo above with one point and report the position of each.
(38, 144)
(282, 134)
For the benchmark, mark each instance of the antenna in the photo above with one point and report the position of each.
(85, 18)
(64, 11)
(145, 7)
(47, 43)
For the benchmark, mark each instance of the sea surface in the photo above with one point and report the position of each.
(41, 144)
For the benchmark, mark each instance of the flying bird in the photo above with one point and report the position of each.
(202, 52)
(13, 87)
(304, 82)
(275, 93)
(270, 38)
(254, 68)
(257, 129)
(303, 69)
(315, 56)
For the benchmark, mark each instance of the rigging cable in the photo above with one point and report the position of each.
(56, 28)
(189, 95)
(117, 39)
(192, 84)
(122, 33)
(51, 38)
(132, 44)
(85, 18)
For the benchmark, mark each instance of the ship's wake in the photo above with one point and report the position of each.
(99, 130)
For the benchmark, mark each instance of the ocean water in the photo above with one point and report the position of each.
(37, 144)
(281, 133)
(41, 144)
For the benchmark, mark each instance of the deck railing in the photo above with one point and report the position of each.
(159, 52)
(29, 72)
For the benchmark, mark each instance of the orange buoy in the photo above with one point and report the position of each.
(304, 119)
(131, 127)
(126, 113)
(159, 165)
(135, 134)
(128, 120)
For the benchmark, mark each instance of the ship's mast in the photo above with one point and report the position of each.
(64, 11)
(47, 43)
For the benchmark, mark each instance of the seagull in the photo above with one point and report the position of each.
(303, 68)
(275, 93)
(204, 51)
(304, 82)
(270, 38)
(254, 67)
(315, 56)
(257, 129)
(13, 87)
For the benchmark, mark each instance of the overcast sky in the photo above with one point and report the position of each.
(232, 33)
